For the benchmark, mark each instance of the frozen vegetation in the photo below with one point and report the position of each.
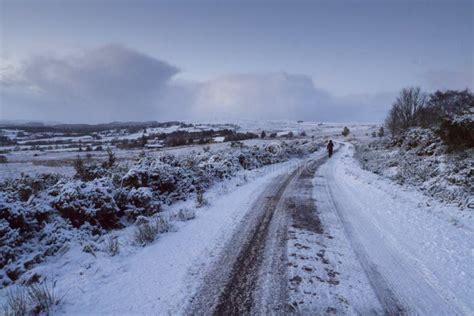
(111, 212)
(41, 215)
(431, 148)
(420, 158)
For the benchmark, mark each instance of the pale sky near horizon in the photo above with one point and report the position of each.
(222, 55)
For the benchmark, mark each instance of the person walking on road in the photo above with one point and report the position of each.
(330, 148)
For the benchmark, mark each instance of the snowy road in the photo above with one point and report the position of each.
(415, 262)
(250, 276)
(341, 240)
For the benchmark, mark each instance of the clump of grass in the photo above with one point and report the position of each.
(186, 214)
(43, 297)
(163, 224)
(16, 302)
(111, 245)
(146, 233)
(35, 299)
(200, 200)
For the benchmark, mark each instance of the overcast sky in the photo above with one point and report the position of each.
(96, 61)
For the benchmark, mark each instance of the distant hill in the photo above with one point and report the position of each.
(4, 123)
(36, 127)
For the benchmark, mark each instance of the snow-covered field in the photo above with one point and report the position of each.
(375, 246)
(51, 159)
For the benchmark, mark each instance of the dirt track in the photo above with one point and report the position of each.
(250, 277)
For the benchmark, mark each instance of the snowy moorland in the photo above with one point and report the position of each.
(144, 230)
(41, 213)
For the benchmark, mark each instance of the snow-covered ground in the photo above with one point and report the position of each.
(416, 252)
(375, 246)
(157, 279)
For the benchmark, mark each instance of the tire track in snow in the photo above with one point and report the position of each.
(231, 287)
(402, 283)
(384, 293)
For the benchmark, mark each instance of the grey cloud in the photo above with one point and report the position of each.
(284, 96)
(109, 83)
(117, 83)
(277, 95)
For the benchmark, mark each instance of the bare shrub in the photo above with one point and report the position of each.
(79, 166)
(43, 297)
(404, 112)
(111, 245)
(111, 159)
(16, 301)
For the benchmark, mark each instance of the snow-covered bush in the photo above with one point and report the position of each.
(19, 223)
(26, 186)
(458, 132)
(91, 202)
(87, 169)
(421, 158)
(220, 165)
(134, 202)
(41, 215)
(169, 183)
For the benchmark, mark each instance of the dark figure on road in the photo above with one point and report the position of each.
(330, 147)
